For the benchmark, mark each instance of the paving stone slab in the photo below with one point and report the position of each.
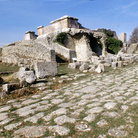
(36, 96)
(16, 105)
(29, 101)
(90, 118)
(3, 116)
(64, 119)
(93, 104)
(6, 108)
(64, 105)
(12, 126)
(57, 101)
(116, 132)
(34, 118)
(101, 136)
(111, 114)
(94, 110)
(7, 120)
(83, 127)
(110, 105)
(31, 131)
(124, 108)
(102, 123)
(62, 131)
(41, 108)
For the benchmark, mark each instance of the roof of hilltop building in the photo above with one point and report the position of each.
(62, 18)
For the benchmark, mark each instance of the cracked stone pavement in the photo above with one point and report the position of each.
(101, 105)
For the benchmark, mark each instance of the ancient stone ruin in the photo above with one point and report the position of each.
(65, 39)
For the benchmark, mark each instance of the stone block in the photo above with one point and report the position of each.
(114, 65)
(107, 64)
(25, 75)
(92, 68)
(84, 66)
(120, 63)
(100, 68)
(45, 69)
(75, 65)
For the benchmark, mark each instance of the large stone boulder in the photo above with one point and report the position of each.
(45, 69)
(26, 75)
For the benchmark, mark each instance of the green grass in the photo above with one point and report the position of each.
(5, 67)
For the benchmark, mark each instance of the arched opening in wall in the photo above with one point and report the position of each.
(96, 45)
(60, 59)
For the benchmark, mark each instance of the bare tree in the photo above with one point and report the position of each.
(134, 37)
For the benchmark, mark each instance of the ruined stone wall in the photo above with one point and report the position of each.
(27, 50)
(133, 48)
(73, 24)
(83, 49)
(122, 37)
(58, 26)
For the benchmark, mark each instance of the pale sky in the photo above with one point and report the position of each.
(19, 16)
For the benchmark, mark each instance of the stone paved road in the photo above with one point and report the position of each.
(102, 105)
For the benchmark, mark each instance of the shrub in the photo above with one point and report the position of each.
(113, 45)
(60, 38)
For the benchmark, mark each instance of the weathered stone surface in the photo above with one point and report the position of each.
(62, 131)
(3, 116)
(100, 68)
(115, 132)
(114, 65)
(92, 68)
(75, 65)
(29, 101)
(26, 52)
(6, 108)
(95, 110)
(84, 66)
(102, 123)
(57, 101)
(12, 126)
(25, 75)
(133, 48)
(6, 121)
(34, 118)
(45, 69)
(111, 114)
(120, 63)
(124, 108)
(31, 131)
(90, 118)
(64, 119)
(83, 127)
(110, 105)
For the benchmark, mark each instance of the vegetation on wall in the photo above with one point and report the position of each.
(113, 45)
(60, 38)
